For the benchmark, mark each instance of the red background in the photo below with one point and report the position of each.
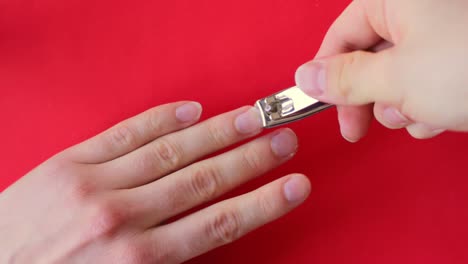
(69, 69)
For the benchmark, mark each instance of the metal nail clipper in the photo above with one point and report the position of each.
(288, 106)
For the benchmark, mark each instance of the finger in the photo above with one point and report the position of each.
(229, 220)
(363, 35)
(354, 121)
(208, 179)
(367, 30)
(136, 132)
(355, 78)
(390, 117)
(176, 150)
(423, 131)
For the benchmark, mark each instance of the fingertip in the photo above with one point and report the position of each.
(188, 112)
(423, 131)
(311, 78)
(284, 143)
(349, 139)
(347, 131)
(354, 121)
(296, 189)
(249, 122)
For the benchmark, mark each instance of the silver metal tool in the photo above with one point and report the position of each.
(288, 106)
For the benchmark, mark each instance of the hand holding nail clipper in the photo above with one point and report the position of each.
(393, 60)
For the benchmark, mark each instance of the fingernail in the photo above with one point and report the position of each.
(345, 129)
(311, 78)
(284, 143)
(188, 112)
(394, 117)
(249, 122)
(295, 191)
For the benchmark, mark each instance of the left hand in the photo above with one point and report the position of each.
(113, 198)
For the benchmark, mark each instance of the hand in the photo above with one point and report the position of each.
(113, 198)
(408, 60)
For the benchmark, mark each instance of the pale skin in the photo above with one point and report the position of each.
(403, 62)
(113, 198)
(110, 199)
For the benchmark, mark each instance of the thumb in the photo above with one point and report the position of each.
(355, 78)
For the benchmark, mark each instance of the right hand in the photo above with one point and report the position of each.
(414, 73)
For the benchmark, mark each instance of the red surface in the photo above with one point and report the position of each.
(69, 69)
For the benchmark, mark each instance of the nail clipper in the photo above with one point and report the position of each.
(288, 106)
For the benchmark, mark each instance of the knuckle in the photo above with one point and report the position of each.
(205, 182)
(122, 134)
(69, 176)
(81, 190)
(345, 73)
(267, 206)
(163, 256)
(79, 187)
(225, 228)
(107, 217)
(220, 135)
(132, 252)
(153, 120)
(253, 159)
(167, 152)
